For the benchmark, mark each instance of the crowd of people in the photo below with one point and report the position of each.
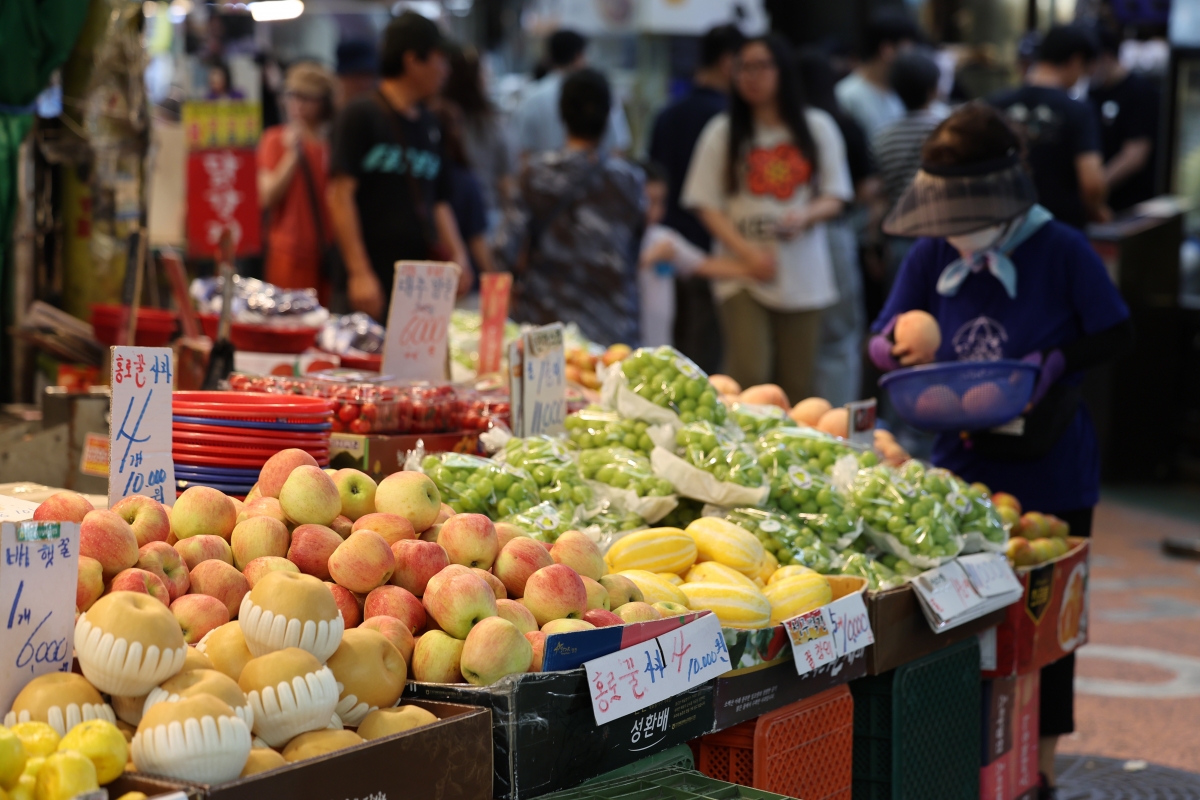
(749, 236)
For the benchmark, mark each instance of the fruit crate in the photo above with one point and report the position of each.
(917, 728)
(803, 749)
(671, 782)
(677, 757)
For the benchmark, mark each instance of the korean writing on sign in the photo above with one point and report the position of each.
(630, 680)
(947, 591)
(543, 377)
(990, 574)
(494, 288)
(825, 634)
(37, 601)
(139, 436)
(222, 195)
(418, 323)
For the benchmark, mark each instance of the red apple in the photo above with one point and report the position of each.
(275, 472)
(348, 604)
(517, 614)
(637, 612)
(311, 547)
(63, 507)
(107, 538)
(392, 601)
(537, 640)
(89, 585)
(492, 581)
(262, 507)
(201, 511)
(601, 618)
(470, 540)
(566, 626)
(392, 527)
(493, 649)
(597, 595)
(260, 567)
(146, 516)
(222, 581)
(198, 614)
(430, 534)
(143, 582)
(445, 574)
(444, 513)
(412, 495)
(196, 549)
(397, 633)
(165, 562)
(259, 537)
(436, 658)
(362, 562)
(555, 592)
(416, 562)
(506, 532)
(580, 553)
(519, 559)
(459, 603)
(1004, 499)
(342, 526)
(309, 497)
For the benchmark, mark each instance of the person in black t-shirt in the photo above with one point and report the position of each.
(389, 190)
(1064, 145)
(1126, 106)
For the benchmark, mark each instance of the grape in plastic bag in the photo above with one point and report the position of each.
(667, 378)
(879, 576)
(556, 474)
(712, 449)
(473, 485)
(622, 468)
(592, 427)
(790, 540)
(903, 518)
(544, 521)
(755, 420)
(971, 507)
(810, 448)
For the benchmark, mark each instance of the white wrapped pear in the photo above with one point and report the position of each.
(290, 693)
(203, 681)
(129, 709)
(127, 643)
(370, 674)
(288, 609)
(196, 738)
(60, 699)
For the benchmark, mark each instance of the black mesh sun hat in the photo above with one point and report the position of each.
(953, 200)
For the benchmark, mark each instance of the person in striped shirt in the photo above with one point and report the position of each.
(897, 146)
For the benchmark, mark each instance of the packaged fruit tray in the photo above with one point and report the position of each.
(365, 402)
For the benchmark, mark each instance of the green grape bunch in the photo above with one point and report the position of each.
(592, 428)
(755, 420)
(473, 485)
(789, 539)
(709, 448)
(892, 502)
(667, 378)
(970, 506)
(544, 521)
(549, 463)
(622, 468)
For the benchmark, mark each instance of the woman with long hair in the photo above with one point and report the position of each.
(764, 179)
(482, 137)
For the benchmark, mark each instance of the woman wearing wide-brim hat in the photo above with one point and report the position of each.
(1005, 280)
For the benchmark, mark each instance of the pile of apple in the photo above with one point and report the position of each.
(1035, 537)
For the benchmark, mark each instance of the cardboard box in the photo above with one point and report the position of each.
(1050, 621)
(451, 758)
(998, 697)
(902, 633)
(545, 736)
(764, 677)
(380, 455)
(1013, 775)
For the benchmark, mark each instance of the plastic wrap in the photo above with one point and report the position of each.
(545, 521)
(903, 519)
(795, 466)
(470, 484)
(755, 420)
(792, 540)
(700, 484)
(972, 509)
(627, 481)
(595, 427)
(608, 522)
(351, 334)
(258, 303)
(878, 575)
(662, 386)
(548, 462)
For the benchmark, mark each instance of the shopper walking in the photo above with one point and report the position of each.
(865, 93)
(293, 161)
(897, 146)
(764, 179)
(1126, 106)
(389, 192)
(484, 144)
(574, 250)
(537, 126)
(1005, 279)
(697, 329)
(1064, 145)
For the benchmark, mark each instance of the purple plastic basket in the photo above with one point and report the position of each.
(961, 395)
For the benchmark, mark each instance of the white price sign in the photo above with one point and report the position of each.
(14, 509)
(990, 574)
(544, 382)
(637, 677)
(947, 591)
(823, 635)
(139, 437)
(418, 324)
(37, 601)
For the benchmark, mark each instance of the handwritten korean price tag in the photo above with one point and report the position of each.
(38, 570)
(825, 634)
(947, 591)
(990, 574)
(415, 345)
(637, 677)
(139, 439)
(544, 382)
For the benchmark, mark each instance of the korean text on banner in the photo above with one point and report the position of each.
(494, 288)
(825, 634)
(417, 338)
(37, 601)
(637, 677)
(139, 435)
(544, 393)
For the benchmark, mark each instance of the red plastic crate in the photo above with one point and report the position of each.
(801, 750)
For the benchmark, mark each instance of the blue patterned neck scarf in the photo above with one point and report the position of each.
(995, 259)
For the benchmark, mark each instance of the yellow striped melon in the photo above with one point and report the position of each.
(793, 596)
(653, 550)
(670, 577)
(722, 541)
(787, 572)
(655, 589)
(735, 606)
(716, 572)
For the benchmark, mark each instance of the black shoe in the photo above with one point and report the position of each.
(1045, 790)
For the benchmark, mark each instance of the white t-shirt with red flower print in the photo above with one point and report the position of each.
(773, 179)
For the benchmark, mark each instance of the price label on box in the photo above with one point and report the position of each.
(825, 634)
(637, 677)
(139, 438)
(418, 324)
(543, 380)
(990, 574)
(38, 571)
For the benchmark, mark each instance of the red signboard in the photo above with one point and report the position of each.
(222, 192)
(494, 288)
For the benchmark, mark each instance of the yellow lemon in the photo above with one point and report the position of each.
(12, 758)
(103, 743)
(38, 737)
(65, 775)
